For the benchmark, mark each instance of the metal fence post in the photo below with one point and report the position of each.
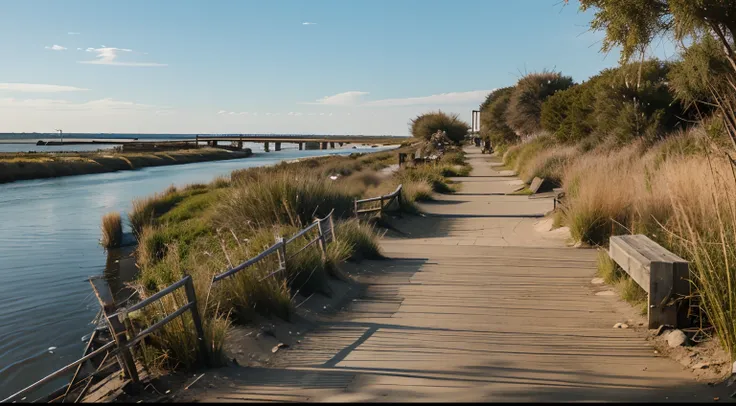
(192, 298)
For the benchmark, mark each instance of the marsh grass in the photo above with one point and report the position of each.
(112, 230)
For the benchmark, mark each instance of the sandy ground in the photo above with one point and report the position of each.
(480, 301)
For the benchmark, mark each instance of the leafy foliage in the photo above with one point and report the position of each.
(525, 103)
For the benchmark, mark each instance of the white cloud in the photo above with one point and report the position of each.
(308, 23)
(56, 104)
(221, 112)
(80, 49)
(56, 48)
(72, 33)
(38, 88)
(109, 56)
(341, 99)
(475, 96)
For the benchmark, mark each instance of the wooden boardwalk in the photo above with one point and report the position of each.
(476, 304)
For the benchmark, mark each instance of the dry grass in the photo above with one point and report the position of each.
(112, 230)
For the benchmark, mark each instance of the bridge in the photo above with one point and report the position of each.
(304, 141)
(232, 141)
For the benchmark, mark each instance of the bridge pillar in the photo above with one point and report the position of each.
(214, 143)
(323, 145)
(240, 144)
(265, 146)
(277, 146)
(341, 143)
(301, 146)
(332, 145)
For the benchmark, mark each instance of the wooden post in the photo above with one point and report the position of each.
(322, 245)
(355, 203)
(381, 206)
(192, 298)
(117, 329)
(332, 227)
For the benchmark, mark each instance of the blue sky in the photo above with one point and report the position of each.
(281, 66)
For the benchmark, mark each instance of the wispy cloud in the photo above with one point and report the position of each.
(56, 104)
(56, 48)
(341, 99)
(73, 33)
(38, 88)
(475, 96)
(308, 23)
(110, 55)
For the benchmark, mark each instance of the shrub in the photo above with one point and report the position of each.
(493, 118)
(285, 198)
(361, 237)
(112, 230)
(525, 103)
(425, 125)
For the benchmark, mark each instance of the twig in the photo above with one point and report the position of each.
(193, 382)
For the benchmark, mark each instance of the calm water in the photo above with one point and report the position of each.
(49, 232)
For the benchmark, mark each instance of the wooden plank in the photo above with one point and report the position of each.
(536, 184)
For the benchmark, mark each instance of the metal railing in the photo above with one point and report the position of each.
(384, 203)
(120, 326)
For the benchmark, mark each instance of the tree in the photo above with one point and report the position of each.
(493, 117)
(525, 103)
(424, 125)
(634, 24)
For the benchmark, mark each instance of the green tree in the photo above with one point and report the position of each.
(634, 24)
(525, 103)
(493, 117)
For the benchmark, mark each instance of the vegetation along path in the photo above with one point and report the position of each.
(475, 304)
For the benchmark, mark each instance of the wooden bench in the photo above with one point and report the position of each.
(662, 274)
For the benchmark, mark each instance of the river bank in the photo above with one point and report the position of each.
(27, 166)
(49, 245)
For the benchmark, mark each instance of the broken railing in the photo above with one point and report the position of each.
(121, 328)
(379, 204)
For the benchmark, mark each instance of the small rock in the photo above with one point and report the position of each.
(624, 325)
(676, 338)
(617, 325)
(606, 293)
(656, 352)
(597, 281)
(701, 365)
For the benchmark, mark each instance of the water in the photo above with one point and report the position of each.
(49, 232)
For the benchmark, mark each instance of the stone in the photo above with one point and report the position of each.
(624, 325)
(701, 365)
(617, 325)
(676, 338)
(597, 281)
(606, 293)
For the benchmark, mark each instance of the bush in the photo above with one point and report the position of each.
(525, 103)
(362, 239)
(112, 230)
(425, 125)
(285, 198)
(493, 118)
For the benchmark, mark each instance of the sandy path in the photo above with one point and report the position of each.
(476, 304)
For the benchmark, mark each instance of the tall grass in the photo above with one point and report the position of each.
(361, 237)
(112, 230)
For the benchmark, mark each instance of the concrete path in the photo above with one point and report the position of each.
(475, 305)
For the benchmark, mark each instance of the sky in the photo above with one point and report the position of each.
(363, 67)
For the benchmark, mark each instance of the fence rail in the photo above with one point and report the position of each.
(385, 202)
(119, 323)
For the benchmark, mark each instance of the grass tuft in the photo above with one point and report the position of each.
(112, 230)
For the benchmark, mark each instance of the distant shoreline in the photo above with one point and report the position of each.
(15, 167)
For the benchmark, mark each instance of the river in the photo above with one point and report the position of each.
(49, 233)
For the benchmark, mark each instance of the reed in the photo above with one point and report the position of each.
(112, 230)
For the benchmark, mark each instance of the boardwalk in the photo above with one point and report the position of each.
(476, 304)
